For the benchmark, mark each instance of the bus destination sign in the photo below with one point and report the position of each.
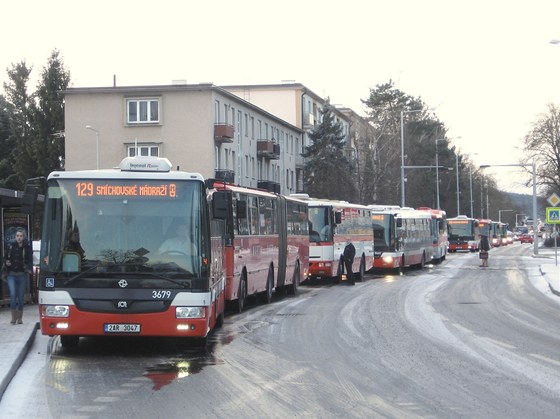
(92, 189)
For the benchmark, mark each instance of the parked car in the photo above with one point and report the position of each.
(526, 238)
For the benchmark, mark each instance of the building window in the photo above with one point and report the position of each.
(143, 150)
(142, 111)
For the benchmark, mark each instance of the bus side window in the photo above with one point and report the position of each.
(241, 215)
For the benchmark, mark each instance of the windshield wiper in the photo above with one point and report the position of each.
(80, 275)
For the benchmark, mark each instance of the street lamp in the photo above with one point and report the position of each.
(534, 170)
(470, 182)
(96, 142)
(402, 152)
(437, 172)
(457, 168)
(500, 214)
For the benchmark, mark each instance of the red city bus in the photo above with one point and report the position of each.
(463, 233)
(440, 237)
(151, 259)
(331, 225)
(403, 237)
(267, 243)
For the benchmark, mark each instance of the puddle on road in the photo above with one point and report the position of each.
(191, 362)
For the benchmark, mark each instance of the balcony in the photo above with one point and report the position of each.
(225, 175)
(269, 185)
(268, 149)
(223, 133)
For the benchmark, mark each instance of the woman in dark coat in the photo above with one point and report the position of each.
(484, 249)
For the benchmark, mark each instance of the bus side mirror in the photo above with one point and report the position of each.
(29, 200)
(71, 262)
(241, 208)
(337, 217)
(221, 202)
(399, 222)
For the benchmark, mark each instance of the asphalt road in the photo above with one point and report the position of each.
(454, 340)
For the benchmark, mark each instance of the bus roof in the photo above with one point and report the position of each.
(131, 168)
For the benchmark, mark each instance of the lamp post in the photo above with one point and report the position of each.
(500, 214)
(534, 170)
(96, 142)
(402, 153)
(437, 172)
(470, 182)
(457, 168)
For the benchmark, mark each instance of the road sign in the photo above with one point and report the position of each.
(553, 199)
(553, 215)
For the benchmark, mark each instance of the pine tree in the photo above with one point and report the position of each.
(20, 110)
(328, 172)
(49, 118)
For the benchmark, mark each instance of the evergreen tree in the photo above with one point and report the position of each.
(49, 118)
(20, 109)
(328, 172)
(6, 146)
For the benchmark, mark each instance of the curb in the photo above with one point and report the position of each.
(554, 291)
(18, 361)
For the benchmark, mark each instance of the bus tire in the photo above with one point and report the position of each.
(69, 341)
(267, 294)
(422, 261)
(339, 272)
(362, 271)
(242, 294)
(293, 287)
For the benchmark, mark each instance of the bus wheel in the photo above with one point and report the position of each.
(293, 287)
(422, 261)
(339, 272)
(267, 295)
(69, 341)
(362, 272)
(242, 295)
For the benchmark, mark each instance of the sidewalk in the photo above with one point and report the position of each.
(550, 267)
(15, 341)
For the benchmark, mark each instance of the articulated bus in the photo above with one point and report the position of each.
(463, 233)
(267, 243)
(152, 252)
(403, 237)
(440, 236)
(331, 225)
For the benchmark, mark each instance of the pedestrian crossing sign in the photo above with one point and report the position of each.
(553, 215)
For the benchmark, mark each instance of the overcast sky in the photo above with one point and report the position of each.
(487, 67)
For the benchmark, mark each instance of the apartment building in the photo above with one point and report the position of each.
(200, 128)
(298, 105)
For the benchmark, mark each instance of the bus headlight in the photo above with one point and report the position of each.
(387, 259)
(55, 311)
(190, 312)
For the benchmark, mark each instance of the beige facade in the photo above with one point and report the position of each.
(199, 128)
(296, 104)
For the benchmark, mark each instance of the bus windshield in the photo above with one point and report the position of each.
(462, 230)
(382, 232)
(98, 228)
(320, 228)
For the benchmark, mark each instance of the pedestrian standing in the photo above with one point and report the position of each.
(484, 248)
(18, 260)
(349, 254)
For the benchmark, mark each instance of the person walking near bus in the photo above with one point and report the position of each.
(18, 261)
(484, 248)
(348, 255)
